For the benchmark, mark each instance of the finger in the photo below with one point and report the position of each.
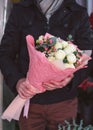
(23, 89)
(22, 95)
(53, 84)
(67, 81)
(25, 85)
(48, 84)
(69, 78)
(49, 88)
(29, 88)
(60, 83)
(64, 82)
(26, 88)
(25, 93)
(53, 88)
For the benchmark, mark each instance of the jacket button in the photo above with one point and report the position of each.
(64, 11)
(30, 23)
(65, 25)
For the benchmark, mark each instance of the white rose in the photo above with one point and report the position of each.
(58, 45)
(58, 39)
(72, 47)
(64, 44)
(71, 58)
(41, 37)
(60, 55)
(67, 50)
(69, 65)
(51, 58)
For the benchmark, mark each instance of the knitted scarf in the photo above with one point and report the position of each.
(48, 7)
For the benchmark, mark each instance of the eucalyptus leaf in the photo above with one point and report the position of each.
(53, 41)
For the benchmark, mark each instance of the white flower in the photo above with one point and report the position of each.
(71, 58)
(64, 44)
(72, 47)
(41, 37)
(51, 58)
(69, 65)
(67, 50)
(60, 54)
(58, 45)
(59, 40)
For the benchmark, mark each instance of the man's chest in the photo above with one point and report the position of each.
(60, 25)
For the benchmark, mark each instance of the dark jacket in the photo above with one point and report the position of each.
(26, 18)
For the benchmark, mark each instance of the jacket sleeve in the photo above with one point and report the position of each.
(9, 49)
(83, 40)
(83, 33)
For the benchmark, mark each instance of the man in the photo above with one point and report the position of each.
(61, 18)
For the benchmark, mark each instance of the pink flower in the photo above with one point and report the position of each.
(53, 47)
(41, 41)
(47, 36)
(46, 49)
(51, 41)
(49, 51)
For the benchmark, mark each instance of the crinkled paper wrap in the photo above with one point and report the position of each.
(14, 109)
(40, 70)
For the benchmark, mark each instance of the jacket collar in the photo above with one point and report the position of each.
(66, 4)
(30, 2)
(70, 5)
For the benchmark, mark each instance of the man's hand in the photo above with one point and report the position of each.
(23, 90)
(54, 84)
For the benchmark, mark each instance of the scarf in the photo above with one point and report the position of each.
(48, 7)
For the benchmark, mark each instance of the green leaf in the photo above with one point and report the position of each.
(70, 38)
(65, 60)
(53, 41)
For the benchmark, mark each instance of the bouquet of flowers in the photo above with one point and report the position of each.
(65, 53)
(51, 59)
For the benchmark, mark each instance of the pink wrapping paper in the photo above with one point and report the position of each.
(40, 70)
